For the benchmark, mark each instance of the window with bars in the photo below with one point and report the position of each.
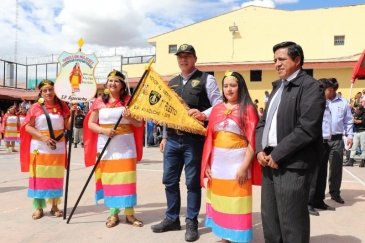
(172, 49)
(256, 75)
(339, 40)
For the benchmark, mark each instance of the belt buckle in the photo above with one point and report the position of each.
(178, 132)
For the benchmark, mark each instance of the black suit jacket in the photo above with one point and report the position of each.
(299, 123)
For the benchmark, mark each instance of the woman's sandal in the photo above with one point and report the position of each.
(136, 222)
(57, 213)
(112, 221)
(37, 214)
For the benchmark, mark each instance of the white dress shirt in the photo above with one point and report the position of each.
(273, 140)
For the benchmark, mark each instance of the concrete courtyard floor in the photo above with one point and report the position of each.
(346, 224)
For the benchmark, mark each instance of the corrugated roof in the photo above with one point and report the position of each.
(11, 93)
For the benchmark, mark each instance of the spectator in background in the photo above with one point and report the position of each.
(78, 128)
(150, 127)
(24, 104)
(256, 101)
(266, 99)
(261, 112)
(339, 94)
(342, 122)
(86, 108)
(10, 126)
(359, 137)
(356, 101)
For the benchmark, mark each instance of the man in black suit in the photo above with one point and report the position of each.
(288, 142)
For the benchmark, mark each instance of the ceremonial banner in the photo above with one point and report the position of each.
(359, 69)
(76, 82)
(154, 100)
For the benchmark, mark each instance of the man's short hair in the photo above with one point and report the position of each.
(328, 83)
(294, 50)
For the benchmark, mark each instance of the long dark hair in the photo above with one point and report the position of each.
(243, 97)
(121, 78)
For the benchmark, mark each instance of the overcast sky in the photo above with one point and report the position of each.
(47, 27)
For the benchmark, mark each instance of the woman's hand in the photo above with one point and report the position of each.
(241, 176)
(48, 141)
(108, 132)
(126, 114)
(208, 172)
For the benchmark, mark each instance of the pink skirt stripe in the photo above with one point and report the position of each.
(45, 183)
(120, 190)
(230, 221)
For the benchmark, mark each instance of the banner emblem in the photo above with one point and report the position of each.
(154, 97)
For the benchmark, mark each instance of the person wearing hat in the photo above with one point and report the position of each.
(43, 149)
(78, 128)
(359, 137)
(115, 175)
(181, 149)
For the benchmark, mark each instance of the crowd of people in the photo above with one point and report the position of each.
(285, 147)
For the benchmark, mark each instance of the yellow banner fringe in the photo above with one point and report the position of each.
(155, 101)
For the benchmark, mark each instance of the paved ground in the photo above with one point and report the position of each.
(346, 224)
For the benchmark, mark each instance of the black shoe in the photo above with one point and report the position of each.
(82, 145)
(312, 211)
(350, 162)
(338, 199)
(323, 206)
(362, 163)
(166, 225)
(191, 233)
(75, 145)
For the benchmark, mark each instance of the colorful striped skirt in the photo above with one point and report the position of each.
(229, 205)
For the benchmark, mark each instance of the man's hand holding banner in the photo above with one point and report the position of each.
(154, 100)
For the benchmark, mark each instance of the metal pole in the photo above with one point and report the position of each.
(68, 163)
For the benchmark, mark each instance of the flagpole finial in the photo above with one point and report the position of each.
(148, 67)
(81, 43)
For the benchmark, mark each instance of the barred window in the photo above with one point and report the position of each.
(339, 40)
(172, 49)
(256, 75)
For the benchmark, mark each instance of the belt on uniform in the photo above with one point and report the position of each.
(175, 131)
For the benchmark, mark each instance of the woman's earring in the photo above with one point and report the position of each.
(106, 91)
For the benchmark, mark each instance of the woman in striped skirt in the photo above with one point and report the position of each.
(116, 173)
(41, 155)
(228, 153)
(10, 130)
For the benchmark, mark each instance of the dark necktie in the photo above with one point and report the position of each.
(273, 106)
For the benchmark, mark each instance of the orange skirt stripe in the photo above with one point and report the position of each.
(49, 159)
(235, 190)
(119, 165)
